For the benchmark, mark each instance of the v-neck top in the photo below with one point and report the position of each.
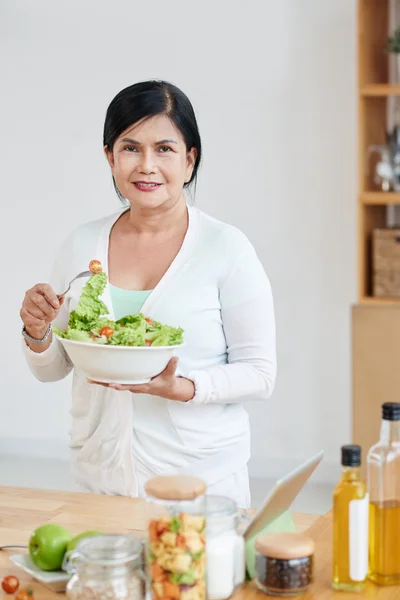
(216, 289)
(127, 302)
(179, 262)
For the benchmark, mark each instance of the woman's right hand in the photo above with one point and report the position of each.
(39, 308)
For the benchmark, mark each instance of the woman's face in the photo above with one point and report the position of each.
(150, 163)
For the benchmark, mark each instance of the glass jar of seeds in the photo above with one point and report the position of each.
(284, 563)
(106, 567)
(176, 540)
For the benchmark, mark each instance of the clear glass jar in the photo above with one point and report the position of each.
(383, 464)
(284, 563)
(176, 540)
(225, 548)
(106, 567)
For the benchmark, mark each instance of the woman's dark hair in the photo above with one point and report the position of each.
(148, 99)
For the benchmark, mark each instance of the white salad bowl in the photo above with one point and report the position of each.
(119, 364)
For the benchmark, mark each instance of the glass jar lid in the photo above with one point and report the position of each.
(284, 546)
(175, 487)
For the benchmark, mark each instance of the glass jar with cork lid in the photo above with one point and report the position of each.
(176, 537)
(284, 563)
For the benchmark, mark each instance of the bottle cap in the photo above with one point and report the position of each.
(351, 455)
(391, 411)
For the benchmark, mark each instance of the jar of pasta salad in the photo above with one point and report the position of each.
(176, 540)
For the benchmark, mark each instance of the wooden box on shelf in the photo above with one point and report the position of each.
(386, 262)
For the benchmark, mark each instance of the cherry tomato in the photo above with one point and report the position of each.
(10, 584)
(24, 595)
(148, 342)
(95, 266)
(150, 321)
(107, 331)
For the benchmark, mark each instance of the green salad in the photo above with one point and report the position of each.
(89, 323)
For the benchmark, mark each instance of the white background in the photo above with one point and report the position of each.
(273, 86)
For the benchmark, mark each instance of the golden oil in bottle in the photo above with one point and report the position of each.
(384, 542)
(383, 464)
(350, 525)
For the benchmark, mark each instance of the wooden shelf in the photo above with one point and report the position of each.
(371, 300)
(379, 198)
(380, 89)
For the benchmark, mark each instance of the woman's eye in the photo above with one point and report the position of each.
(165, 149)
(131, 148)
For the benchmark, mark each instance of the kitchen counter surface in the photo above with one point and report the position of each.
(24, 509)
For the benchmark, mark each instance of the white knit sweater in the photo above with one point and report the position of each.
(217, 290)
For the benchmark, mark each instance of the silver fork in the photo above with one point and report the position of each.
(7, 546)
(83, 274)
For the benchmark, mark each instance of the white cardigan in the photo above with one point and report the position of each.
(217, 290)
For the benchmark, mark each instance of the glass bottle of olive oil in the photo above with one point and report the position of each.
(350, 525)
(383, 464)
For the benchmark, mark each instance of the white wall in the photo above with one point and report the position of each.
(273, 84)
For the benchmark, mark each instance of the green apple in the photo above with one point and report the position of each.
(74, 542)
(47, 546)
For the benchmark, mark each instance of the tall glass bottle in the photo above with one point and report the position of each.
(350, 525)
(383, 464)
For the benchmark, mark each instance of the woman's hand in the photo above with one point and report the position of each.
(166, 385)
(39, 308)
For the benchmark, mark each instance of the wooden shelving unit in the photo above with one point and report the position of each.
(374, 91)
(375, 321)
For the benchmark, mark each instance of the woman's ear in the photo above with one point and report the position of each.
(109, 157)
(191, 157)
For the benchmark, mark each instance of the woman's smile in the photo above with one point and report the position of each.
(146, 186)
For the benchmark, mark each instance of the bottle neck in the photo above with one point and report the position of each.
(390, 431)
(351, 473)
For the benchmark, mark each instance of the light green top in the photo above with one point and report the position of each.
(127, 302)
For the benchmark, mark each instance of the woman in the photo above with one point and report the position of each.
(181, 267)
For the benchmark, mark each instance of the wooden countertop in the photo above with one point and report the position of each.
(24, 509)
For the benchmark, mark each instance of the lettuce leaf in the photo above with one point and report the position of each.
(89, 307)
(90, 316)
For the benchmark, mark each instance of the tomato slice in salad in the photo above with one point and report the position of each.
(107, 331)
(95, 267)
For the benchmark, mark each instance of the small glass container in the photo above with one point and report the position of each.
(105, 567)
(225, 548)
(176, 540)
(284, 563)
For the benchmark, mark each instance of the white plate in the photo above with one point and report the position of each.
(54, 580)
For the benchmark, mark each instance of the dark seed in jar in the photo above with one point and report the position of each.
(293, 574)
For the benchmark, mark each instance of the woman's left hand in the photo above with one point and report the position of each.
(166, 385)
